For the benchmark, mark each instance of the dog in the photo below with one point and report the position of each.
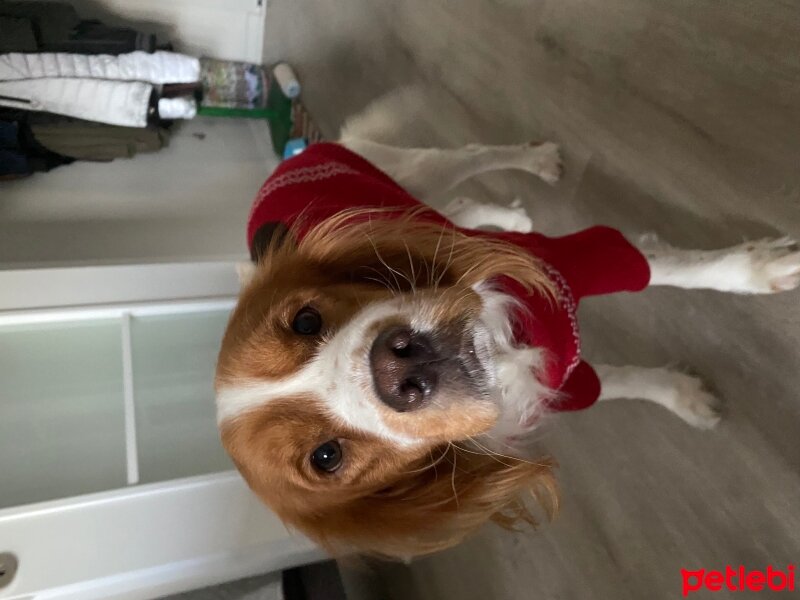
(386, 361)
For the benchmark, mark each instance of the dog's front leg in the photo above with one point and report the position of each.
(680, 393)
(428, 173)
(765, 266)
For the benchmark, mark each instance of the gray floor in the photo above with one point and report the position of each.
(677, 116)
(264, 587)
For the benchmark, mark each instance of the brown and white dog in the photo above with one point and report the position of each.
(385, 361)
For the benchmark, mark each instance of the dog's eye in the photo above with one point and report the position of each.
(327, 457)
(307, 321)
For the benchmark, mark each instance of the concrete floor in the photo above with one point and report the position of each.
(679, 117)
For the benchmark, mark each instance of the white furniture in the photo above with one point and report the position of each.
(113, 483)
(145, 541)
(112, 480)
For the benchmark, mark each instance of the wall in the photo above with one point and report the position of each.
(187, 202)
(227, 29)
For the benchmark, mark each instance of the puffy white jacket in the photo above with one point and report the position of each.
(103, 88)
(115, 102)
(158, 67)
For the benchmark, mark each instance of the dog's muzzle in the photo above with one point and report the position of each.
(409, 368)
(405, 368)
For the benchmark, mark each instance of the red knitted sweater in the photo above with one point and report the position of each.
(327, 178)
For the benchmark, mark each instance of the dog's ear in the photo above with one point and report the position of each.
(245, 271)
(269, 236)
(436, 504)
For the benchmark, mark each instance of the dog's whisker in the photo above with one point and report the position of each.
(432, 465)
(384, 280)
(427, 266)
(413, 280)
(449, 260)
(496, 440)
(491, 455)
(489, 451)
(380, 258)
(383, 283)
(453, 477)
(436, 253)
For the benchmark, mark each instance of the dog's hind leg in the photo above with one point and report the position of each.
(471, 214)
(429, 172)
(765, 266)
(680, 393)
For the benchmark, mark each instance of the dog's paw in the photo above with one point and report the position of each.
(466, 212)
(774, 265)
(650, 243)
(546, 162)
(694, 403)
(518, 221)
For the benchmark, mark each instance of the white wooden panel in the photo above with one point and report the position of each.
(146, 541)
(26, 289)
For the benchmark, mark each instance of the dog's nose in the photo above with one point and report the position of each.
(405, 368)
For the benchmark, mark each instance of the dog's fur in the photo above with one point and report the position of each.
(416, 482)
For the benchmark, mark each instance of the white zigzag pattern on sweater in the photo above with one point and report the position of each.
(301, 175)
(567, 301)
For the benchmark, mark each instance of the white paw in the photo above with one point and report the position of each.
(694, 403)
(774, 265)
(469, 213)
(650, 242)
(518, 220)
(547, 162)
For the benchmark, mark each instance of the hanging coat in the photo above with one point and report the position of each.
(158, 68)
(114, 102)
